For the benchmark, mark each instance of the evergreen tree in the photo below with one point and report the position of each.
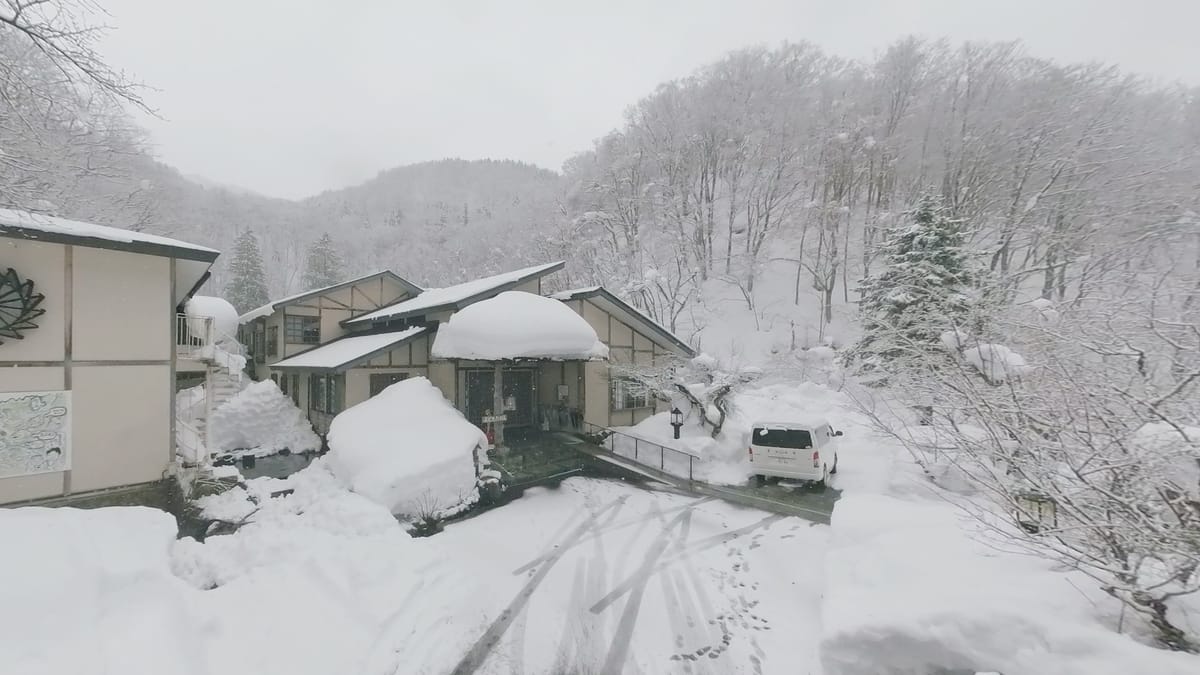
(925, 287)
(247, 287)
(324, 264)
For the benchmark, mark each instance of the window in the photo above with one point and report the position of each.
(295, 387)
(324, 393)
(304, 330)
(381, 381)
(272, 340)
(256, 345)
(782, 438)
(628, 394)
(282, 382)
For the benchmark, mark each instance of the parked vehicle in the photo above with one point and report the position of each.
(801, 451)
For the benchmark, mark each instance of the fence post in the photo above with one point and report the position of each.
(690, 458)
(635, 448)
(662, 458)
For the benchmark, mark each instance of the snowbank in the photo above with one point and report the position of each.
(516, 325)
(321, 581)
(223, 315)
(996, 363)
(407, 449)
(90, 591)
(910, 590)
(263, 420)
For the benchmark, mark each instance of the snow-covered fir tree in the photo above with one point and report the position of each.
(324, 264)
(923, 288)
(247, 287)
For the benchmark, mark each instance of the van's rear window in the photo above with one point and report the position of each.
(782, 438)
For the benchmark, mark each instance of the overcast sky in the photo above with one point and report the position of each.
(292, 97)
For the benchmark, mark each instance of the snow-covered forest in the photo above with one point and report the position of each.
(760, 187)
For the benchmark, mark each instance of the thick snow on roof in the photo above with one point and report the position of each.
(347, 349)
(76, 228)
(438, 297)
(571, 293)
(223, 314)
(517, 325)
(269, 308)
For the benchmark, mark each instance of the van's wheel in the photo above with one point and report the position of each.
(834, 469)
(824, 482)
(759, 480)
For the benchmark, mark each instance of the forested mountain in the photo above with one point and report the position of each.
(752, 193)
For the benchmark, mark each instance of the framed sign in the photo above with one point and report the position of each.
(35, 432)
(563, 392)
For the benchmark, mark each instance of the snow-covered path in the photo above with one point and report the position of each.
(602, 577)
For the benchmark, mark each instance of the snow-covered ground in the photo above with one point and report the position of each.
(594, 576)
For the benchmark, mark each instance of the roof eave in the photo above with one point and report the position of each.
(458, 304)
(143, 247)
(608, 295)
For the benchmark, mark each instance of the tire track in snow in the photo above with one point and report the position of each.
(709, 542)
(478, 653)
(614, 663)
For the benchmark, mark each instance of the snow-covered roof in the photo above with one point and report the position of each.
(36, 226)
(517, 325)
(270, 307)
(348, 350)
(437, 298)
(609, 302)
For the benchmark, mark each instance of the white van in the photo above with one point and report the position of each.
(805, 451)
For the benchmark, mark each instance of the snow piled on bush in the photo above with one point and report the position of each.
(89, 591)
(997, 363)
(408, 449)
(262, 420)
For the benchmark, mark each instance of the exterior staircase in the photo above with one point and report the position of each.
(224, 359)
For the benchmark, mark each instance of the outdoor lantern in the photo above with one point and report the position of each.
(676, 420)
(1036, 511)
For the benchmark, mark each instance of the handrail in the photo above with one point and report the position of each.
(201, 457)
(192, 334)
(607, 440)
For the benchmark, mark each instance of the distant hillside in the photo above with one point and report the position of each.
(435, 222)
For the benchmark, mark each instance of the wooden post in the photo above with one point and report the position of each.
(498, 402)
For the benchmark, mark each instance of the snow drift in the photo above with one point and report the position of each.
(263, 420)
(515, 325)
(408, 449)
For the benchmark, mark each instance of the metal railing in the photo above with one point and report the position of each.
(654, 455)
(192, 335)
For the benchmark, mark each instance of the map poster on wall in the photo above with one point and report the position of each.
(35, 432)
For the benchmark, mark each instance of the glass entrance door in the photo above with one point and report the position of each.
(518, 394)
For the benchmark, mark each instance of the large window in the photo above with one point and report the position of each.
(272, 340)
(324, 393)
(628, 394)
(381, 381)
(305, 330)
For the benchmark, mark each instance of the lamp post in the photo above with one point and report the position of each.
(676, 421)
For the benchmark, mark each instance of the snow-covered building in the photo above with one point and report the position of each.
(92, 334)
(335, 347)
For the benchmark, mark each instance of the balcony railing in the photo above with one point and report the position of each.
(193, 334)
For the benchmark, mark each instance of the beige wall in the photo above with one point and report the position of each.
(122, 306)
(626, 345)
(120, 425)
(106, 337)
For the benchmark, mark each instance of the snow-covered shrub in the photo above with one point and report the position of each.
(407, 448)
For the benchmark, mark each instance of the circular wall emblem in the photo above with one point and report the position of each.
(18, 306)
